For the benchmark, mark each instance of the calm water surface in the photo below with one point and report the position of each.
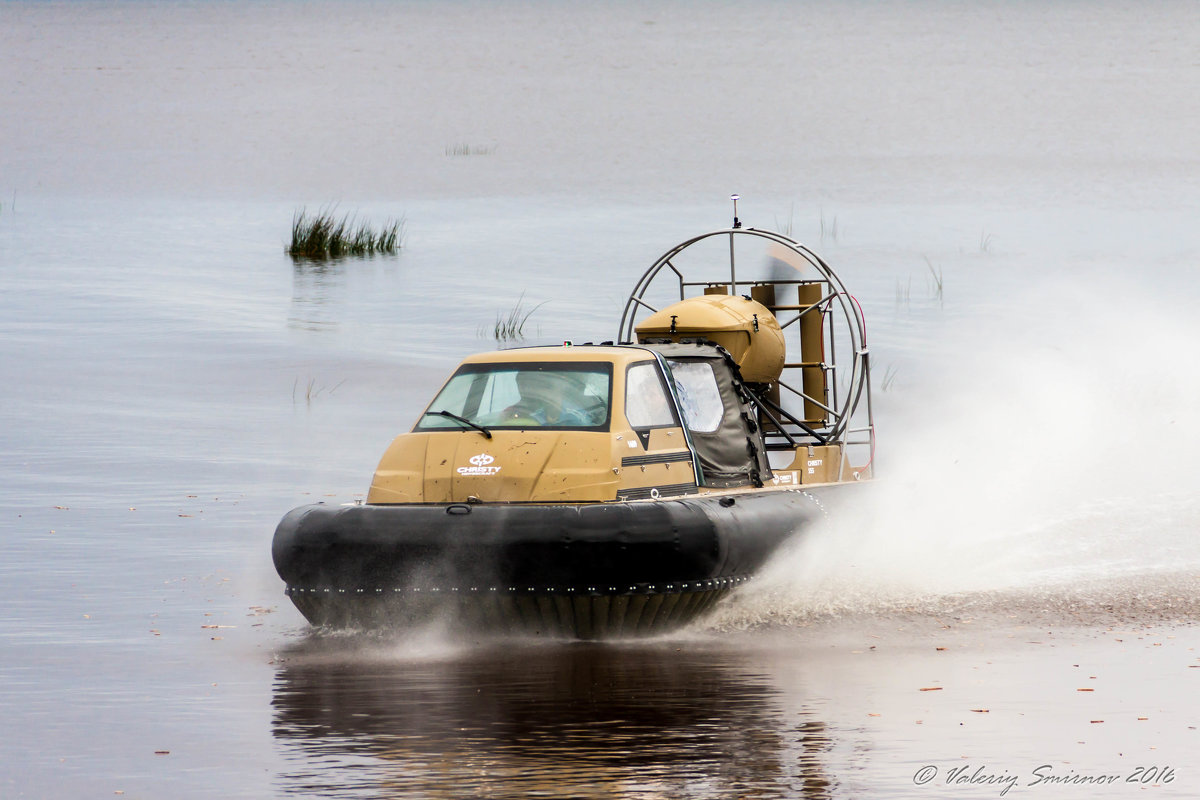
(172, 383)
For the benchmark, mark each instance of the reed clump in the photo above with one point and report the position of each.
(464, 149)
(512, 327)
(937, 280)
(829, 229)
(312, 391)
(889, 377)
(323, 235)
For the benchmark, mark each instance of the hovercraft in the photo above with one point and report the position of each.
(616, 489)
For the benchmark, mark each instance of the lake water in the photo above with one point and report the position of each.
(172, 383)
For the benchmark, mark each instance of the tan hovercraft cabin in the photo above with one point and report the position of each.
(610, 490)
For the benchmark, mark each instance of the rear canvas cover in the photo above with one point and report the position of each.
(731, 449)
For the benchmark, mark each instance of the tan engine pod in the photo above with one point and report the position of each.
(746, 328)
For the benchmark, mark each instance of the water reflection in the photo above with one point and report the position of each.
(577, 720)
(357, 294)
(318, 292)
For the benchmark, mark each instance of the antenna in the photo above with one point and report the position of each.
(735, 198)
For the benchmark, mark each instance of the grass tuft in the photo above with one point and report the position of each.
(323, 235)
(512, 327)
(786, 227)
(312, 391)
(464, 149)
(829, 229)
(937, 279)
(889, 377)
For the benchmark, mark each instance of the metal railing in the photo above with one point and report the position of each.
(843, 349)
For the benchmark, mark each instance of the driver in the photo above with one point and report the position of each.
(547, 399)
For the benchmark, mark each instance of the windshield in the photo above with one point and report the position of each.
(566, 396)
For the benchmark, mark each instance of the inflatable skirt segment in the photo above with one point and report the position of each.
(590, 571)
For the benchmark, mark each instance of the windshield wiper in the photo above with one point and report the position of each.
(463, 420)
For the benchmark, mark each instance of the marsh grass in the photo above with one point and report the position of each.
(786, 228)
(511, 327)
(323, 235)
(829, 229)
(312, 391)
(937, 279)
(464, 149)
(889, 377)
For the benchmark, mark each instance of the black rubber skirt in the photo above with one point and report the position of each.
(584, 571)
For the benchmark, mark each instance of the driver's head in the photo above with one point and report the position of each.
(536, 386)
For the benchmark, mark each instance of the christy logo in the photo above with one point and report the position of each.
(481, 466)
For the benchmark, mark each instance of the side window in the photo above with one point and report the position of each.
(699, 398)
(646, 402)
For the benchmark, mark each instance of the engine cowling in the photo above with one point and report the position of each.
(744, 327)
